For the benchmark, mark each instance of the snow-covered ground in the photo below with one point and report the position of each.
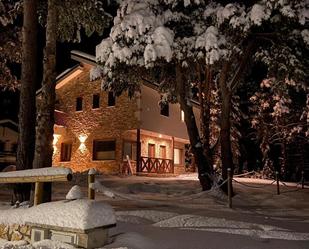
(171, 213)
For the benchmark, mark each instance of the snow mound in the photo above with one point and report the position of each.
(80, 214)
(74, 193)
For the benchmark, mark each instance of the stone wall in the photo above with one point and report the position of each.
(103, 123)
(15, 232)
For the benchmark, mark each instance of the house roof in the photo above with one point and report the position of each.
(9, 124)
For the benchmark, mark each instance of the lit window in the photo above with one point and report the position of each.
(79, 104)
(182, 116)
(96, 101)
(111, 99)
(66, 150)
(104, 150)
(177, 156)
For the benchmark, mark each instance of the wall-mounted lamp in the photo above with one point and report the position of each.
(82, 146)
(82, 138)
(56, 139)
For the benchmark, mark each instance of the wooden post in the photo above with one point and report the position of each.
(138, 150)
(38, 193)
(277, 179)
(91, 179)
(229, 187)
(173, 147)
(302, 179)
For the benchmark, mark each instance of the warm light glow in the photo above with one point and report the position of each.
(56, 139)
(82, 147)
(182, 116)
(82, 138)
(160, 136)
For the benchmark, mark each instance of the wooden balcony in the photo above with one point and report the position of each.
(156, 165)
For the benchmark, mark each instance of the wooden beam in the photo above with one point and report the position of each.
(138, 150)
(38, 193)
(28, 179)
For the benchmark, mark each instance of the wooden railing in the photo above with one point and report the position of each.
(37, 176)
(156, 165)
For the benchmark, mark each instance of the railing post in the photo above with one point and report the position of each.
(229, 187)
(277, 179)
(38, 193)
(302, 179)
(91, 179)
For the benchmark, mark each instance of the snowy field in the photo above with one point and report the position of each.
(171, 213)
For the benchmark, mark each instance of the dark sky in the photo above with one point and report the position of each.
(9, 99)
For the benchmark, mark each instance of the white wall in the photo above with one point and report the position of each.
(152, 120)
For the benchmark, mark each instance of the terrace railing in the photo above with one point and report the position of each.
(156, 165)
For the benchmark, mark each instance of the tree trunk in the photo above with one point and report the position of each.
(205, 171)
(225, 125)
(46, 101)
(204, 99)
(26, 139)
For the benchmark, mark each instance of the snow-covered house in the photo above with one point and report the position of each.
(8, 142)
(95, 129)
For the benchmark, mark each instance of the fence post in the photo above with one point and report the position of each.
(38, 193)
(277, 179)
(302, 179)
(91, 178)
(229, 187)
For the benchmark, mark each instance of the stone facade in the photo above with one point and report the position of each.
(15, 232)
(105, 123)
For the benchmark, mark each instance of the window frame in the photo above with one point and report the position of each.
(164, 108)
(96, 100)
(132, 143)
(94, 149)
(63, 157)
(77, 103)
(111, 99)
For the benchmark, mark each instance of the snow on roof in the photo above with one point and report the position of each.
(80, 214)
(9, 123)
(83, 55)
(50, 171)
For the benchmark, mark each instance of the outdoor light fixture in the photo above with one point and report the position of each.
(82, 146)
(56, 139)
(82, 138)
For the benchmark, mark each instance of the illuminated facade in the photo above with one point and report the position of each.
(95, 129)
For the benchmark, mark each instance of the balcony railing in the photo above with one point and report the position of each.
(156, 165)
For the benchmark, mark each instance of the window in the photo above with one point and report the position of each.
(79, 104)
(177, 156)
(95, 101)
(2, 144)
(151, 150)
(65, 154)
(104, 150)
(162, 151)
(182, 116)
(164, 109)
(14, 147)
(129, 148)
(111, 99)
